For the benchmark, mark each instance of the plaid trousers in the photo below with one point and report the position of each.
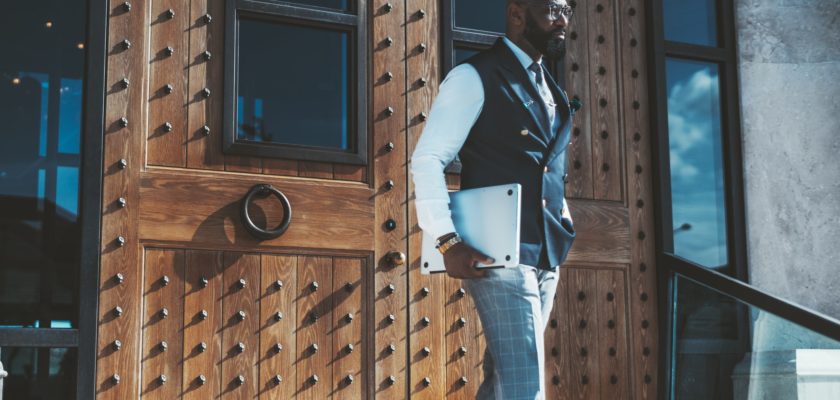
(514, 305)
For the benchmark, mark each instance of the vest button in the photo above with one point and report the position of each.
(545, 169)
(545, 202)
(524, 132)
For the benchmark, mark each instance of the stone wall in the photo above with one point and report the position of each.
(789, 56)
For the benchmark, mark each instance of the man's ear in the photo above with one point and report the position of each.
(515, 15)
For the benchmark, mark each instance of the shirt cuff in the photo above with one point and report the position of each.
(434, 217)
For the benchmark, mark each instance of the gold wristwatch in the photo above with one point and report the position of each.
(443, 247)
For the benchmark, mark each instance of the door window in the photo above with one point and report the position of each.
(294, 83)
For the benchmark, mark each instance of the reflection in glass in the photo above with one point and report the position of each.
(336, 4)
(766, 357)
(692, 21)
(41, 92)
(485, 15)
(697, 175)
(293, 85)
(39, 373)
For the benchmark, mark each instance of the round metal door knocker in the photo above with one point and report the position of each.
(265, 190)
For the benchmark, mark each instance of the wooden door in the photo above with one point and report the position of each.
(193, 306)
(601, 341)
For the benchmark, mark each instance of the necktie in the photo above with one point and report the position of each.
(545, 93)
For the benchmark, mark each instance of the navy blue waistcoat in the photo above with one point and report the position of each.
(511, 142)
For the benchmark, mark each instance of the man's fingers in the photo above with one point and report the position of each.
(476, 272)
(483, 258)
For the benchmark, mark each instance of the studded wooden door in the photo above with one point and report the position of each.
(601, 341)
(192, 306)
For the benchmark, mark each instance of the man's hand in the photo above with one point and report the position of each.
(460, 261)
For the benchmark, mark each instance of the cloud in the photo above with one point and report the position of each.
(696, 167)
(693, 121)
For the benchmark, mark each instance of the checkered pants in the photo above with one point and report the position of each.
(514, 305)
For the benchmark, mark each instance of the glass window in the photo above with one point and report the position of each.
(41, 94)
(692, 21)
(697, 170)
(39, 373)
(303, 102)
(485, 15)
(769, 357)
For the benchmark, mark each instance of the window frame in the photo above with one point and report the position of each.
(725, 57)
(733, 279)
(353, 22)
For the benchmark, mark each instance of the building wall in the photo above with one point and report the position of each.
(790, 101)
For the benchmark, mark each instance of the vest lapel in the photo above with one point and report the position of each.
(559, 143)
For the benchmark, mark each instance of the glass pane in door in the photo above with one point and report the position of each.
(294, 85)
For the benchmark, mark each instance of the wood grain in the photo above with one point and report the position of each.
(584, 369)
(461, 365)
(205, 151)
(347, 302)
(324, 214)
(558, 353)
(276, 166)
(122, 143)
(273, 332)
(643, 270)
(346, 172)
(197, 298)
(234, 331)
(607, 174)
(314, 321)
(252, 165)
(390, 205)
(431, 305)
(602, 232)
(611, 290)
(162, 334)
(168, 147)
(312, 169)
(578, 67)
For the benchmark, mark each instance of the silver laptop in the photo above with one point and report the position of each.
(487, 219)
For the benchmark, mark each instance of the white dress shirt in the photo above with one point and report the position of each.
(454, 111)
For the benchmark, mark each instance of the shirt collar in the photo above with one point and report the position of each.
(520, 54)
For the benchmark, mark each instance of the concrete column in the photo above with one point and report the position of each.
(789, 61)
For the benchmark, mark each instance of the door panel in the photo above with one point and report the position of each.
(221, 316)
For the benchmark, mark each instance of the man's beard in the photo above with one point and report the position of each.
(546, 42)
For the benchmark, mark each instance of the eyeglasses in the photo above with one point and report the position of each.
(556, 10)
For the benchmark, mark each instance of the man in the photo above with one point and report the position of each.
(510, 122)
